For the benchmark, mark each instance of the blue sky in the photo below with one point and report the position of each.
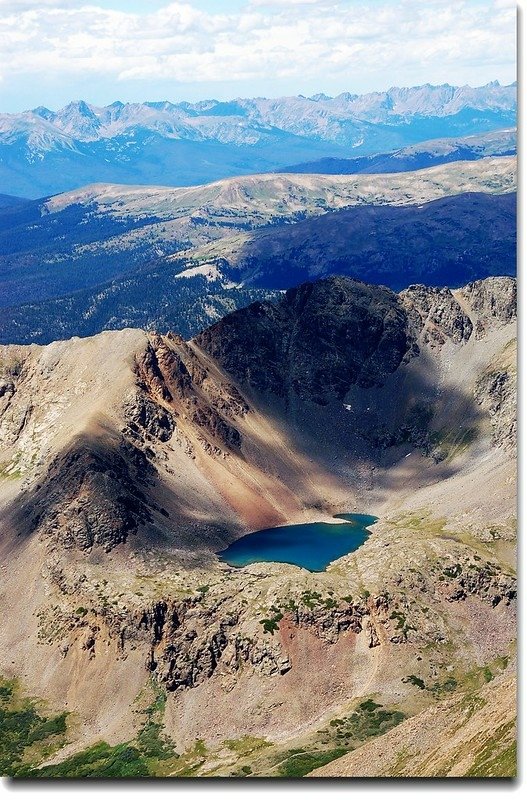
(53, 51)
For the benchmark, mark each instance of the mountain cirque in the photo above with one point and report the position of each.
(129, 459)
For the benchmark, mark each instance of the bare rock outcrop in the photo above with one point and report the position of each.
(316, 343)
(492, 302)
(437, 315)
(171, 374)
(496, 392)
(92, 494)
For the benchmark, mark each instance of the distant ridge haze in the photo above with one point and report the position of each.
(300, 115)
(417, 156)
(44, 152)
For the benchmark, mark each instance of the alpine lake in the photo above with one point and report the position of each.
(312, 545)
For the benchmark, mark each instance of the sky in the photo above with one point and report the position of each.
(55, 51)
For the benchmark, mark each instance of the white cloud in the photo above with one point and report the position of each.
(283, 3)
(17, 6)
(267, 39)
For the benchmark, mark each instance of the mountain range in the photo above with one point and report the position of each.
(418, 156)
(108, 256)
(44, 151)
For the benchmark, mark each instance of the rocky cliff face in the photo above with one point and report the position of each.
(174, 378)
(217, 632)
(316, 343)
(436, 315)
(492, 301)
(495, 392)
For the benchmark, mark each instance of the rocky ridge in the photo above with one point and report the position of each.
(311, 349)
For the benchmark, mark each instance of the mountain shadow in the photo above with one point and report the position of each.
(446, 242)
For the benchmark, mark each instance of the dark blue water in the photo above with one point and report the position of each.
(312, 546)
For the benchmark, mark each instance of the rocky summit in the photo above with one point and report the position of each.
(131, 459)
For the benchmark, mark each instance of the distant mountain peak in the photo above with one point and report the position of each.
(160, 105)
(347, 96)
(320, 96)
(81, 106)
(186, 143)
(42, 111)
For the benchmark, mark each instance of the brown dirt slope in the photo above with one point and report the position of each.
(468, 735)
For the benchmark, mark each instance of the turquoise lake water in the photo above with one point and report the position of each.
(312, 545)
